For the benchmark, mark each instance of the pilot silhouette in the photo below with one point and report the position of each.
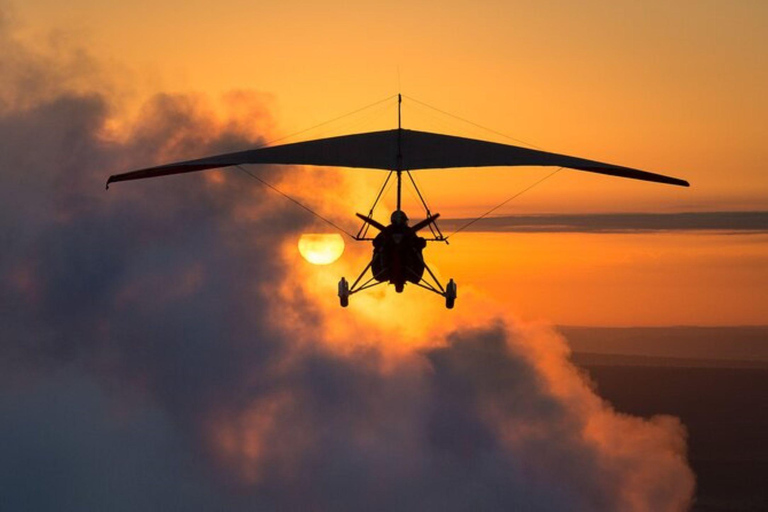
(397, 253)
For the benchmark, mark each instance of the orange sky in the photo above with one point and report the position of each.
(677, 88)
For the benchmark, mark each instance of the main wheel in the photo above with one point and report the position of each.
(450, 294)
(344, 292)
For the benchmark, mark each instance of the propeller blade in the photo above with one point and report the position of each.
(426, 222)
(372, 222)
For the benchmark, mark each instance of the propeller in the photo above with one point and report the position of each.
(415, 228)
(426, 222)
(372, 222)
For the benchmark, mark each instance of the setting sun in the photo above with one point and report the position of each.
(321, 249)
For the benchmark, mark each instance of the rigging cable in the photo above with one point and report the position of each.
(364, 228)
(307, 208)
(473, 123)
(265, 183)
(336, 226)
(542, 180)
(435, 230)
(268, 143)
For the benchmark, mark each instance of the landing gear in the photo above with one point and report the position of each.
(344, 292)
(345, 289)
(450, 294)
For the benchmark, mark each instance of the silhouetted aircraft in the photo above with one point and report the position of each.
(397, 258)
(397, 248)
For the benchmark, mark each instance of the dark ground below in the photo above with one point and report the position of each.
(725, 411)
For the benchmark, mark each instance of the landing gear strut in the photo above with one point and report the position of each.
(449, 292)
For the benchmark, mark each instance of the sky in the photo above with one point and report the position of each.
(671, 88)
(165, 346)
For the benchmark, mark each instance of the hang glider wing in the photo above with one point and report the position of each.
(379, 150)
(432, 151)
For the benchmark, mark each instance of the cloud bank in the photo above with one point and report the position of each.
(150, 361)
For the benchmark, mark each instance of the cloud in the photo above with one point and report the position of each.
(151, 360)
(728, 221)
(65, 448)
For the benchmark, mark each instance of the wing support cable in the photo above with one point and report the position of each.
(298, 203)
(294, 201)
(542, 180)
(363, 232)
(437, 235)
(327, 221)
(324, 123)
(471, 123)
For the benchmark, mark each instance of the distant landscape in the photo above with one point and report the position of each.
(720, 345)
(714, 379)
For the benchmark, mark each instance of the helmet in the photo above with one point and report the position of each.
(399, 218)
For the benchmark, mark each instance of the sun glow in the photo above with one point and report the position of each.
(321, 249)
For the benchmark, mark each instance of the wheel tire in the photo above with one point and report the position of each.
(344, 292)
(450, 294)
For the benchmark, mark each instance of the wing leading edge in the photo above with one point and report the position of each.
(379, 150)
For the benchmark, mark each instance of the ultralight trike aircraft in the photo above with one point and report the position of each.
(397, 248)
